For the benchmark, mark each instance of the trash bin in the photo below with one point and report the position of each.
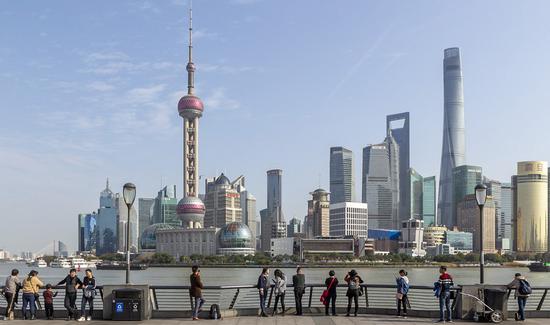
(497, 299)
(128, 304)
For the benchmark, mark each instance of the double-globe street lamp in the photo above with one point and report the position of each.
(481, 197)
(129, 194)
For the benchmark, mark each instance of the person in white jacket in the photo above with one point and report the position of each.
(280, 290)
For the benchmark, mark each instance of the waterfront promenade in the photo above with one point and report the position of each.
(290, 320)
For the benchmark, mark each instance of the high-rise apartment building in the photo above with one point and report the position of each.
(429, 201)
(145, 213)
(465, 178)
(223, 203)
(397, 125)
(469, 221)
(319, 213)
(532, 207)
(349, 219)
(342, 179)
(380, 184)
(453, 151)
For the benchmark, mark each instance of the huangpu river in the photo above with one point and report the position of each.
(213, 276)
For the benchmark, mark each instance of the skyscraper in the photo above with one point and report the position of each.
(223, 203)
(191, 209)
(380, 185)
(87, 232)
(397, 125)
(145, 213)
(107, 223)
(294, 227)
(165, 207)
(465, 178)
(318, 213)
(428, 201)
(415, 186)
(468, 220)
(505, 229)
(248, 207)
(342, 180)
(532, 207)
(453, 152)
(122, 217)
(349, 219)
(494, 189)
(275, 194)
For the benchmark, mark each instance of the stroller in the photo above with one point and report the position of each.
(484, 311)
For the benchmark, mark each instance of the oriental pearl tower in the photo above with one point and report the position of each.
(191, 209)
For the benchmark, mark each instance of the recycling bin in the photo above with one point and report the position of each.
(128, 305)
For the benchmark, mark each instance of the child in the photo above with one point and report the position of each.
(48, 301)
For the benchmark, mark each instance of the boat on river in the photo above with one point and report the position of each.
(539, 267)
(121, 266)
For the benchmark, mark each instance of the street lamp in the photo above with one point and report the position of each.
(481, 197)
(129, 194)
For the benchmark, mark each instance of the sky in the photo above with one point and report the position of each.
(90, 91)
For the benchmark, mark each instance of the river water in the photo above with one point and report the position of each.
(241, 276)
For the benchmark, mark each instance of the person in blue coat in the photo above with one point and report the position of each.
(402, 290)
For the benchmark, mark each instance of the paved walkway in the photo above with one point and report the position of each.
(290, 320)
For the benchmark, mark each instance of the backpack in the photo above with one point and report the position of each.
(354, 284)
(215, 311)
(524, 288)
(404, 287)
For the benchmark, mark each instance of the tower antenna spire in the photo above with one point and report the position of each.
(190, 66)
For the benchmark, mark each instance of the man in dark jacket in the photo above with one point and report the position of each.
(332, 283)
(299, 283)
(262, 286)
(521, 297)
(72, 283)
(196, 291)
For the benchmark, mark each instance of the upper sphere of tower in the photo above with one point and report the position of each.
(190, 106)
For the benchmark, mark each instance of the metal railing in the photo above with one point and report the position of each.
(377, 299)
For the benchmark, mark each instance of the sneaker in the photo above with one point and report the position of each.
(89, 318)
(81, 319)
(449, 320)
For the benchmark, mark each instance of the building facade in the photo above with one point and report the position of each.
(415, 194)
(87, 232)
(465, 179)
(349, 219)
(505, 225)
(412, 238)
(469, 221)
(107, 223)
(397, 126)
(222, 202)
(461, 241)
(145, 213)
(494, 189)
(532, 207)
(165, 207)
(434, 235)
(454, 143)
(342, 177)
(187, 242)
(380, 184)
(318, 209)
(429, 201)
(122, 217)
(294, 227)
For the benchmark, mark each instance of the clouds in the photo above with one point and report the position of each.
(218, 100)
(144, 95)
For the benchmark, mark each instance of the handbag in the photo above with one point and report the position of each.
(326, 293)
(399, 296)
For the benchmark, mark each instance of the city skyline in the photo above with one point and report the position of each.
(103, 104)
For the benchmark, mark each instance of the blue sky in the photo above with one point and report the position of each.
(90, 91)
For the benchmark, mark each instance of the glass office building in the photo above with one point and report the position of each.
(460, 240)
(428, 201)
(415, 189)
(342, 180)
(465, 179)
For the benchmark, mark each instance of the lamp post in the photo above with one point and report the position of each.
(481, 197)
(129, 194)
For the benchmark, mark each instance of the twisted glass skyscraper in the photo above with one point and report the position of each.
(453, 151)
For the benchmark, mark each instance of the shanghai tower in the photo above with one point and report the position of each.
(452, 154)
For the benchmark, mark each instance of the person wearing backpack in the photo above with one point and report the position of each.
(354, 290)
(402, 291)
(329, 295)
(523, 290)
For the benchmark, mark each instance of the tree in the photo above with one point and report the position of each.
(162, 258)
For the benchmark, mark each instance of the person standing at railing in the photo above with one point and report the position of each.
(31, 286)
(196, 291)
(88, 295)
(523, 290)
(354, 290)
(445, 283)
(332, 283)
(72, 283)
(402, 291)
(280, 290)
(299, 283)
(11, 289)
(262, 286)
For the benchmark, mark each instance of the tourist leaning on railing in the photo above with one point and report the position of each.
(72, 283)
(11, 290)
(31, 286)
(522, 292)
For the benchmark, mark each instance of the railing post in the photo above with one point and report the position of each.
(270, 295)
(539, 307)
(155, 300)
(310, 296)
(367, 296)
(234, 299)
